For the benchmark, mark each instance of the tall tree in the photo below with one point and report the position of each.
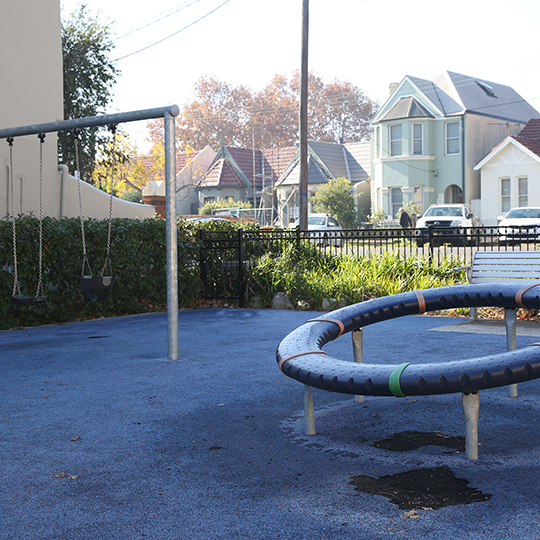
(338, 112)
(89, 76)
(336, 198)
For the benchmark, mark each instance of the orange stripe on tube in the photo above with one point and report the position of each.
(335, 321)
(283, 360)
(521, 292)
(421, 301)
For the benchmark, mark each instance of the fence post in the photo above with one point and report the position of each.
(202, 263)
(241, 284)
(430, 239)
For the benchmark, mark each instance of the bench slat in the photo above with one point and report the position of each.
(506, 266)
(507, 255)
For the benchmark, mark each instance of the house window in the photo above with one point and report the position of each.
(395, 140)
(452, 138)
(523, 191)
(418, 139)
(505, 195)
(396, 201)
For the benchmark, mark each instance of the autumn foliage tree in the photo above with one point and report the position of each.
(337, 112)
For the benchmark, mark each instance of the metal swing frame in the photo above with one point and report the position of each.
(168, 114)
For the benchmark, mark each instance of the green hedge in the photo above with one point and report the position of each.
(138, 255)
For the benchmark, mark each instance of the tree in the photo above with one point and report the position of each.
(336, 198)
(89, 76)
(338, 112)
(131, 172)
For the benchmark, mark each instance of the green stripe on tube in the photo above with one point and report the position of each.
(393, 381)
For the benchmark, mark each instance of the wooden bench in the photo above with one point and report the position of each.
(504, 266)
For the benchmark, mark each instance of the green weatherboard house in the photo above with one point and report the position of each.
(429, 135)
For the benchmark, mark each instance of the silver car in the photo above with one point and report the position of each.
(326, 224)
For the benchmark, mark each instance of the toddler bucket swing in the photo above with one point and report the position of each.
(17, 298)
(95, 288)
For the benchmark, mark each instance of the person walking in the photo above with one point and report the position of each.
(404, 219)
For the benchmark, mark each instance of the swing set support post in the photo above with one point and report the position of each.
(168, 113)
(171, 237)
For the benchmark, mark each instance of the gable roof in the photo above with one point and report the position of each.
(530, 136)
(237, 166)
(221, 173)
(454, 94)
(406, 107)
(331, 160)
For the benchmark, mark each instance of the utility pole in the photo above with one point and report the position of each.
(303, 206)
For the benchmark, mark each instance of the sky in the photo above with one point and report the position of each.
(370, 43)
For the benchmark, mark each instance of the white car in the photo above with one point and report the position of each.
(520, 225)
(444, 220)
(323, 222)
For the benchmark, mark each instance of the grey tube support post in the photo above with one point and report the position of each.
(510, 325)
(309, 411)
(358, 342)
(171, 238)
(471, 408)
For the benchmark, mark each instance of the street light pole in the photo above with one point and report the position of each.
(303, 204)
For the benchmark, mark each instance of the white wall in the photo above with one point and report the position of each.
(187, 178)
(510, 162)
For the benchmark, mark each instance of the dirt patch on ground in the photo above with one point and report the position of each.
(413, 440)
(426, 489)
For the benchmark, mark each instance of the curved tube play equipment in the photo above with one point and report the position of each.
(300, 355)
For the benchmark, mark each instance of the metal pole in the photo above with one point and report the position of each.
(303, 203)
(90, 121)
(171, 238)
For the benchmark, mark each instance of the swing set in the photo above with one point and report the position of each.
(97, 288)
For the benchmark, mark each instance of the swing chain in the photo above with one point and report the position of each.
(16, 286)
(39, 291)
(107, 262)
(76, 133)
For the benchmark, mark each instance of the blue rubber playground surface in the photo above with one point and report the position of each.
(102, 437)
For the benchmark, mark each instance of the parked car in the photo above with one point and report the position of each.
(445, 219)
(326, 224)
(520, 225)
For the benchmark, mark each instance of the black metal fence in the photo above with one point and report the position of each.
(226, 257)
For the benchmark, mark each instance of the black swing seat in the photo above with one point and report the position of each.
(23, 300)
(96, 289)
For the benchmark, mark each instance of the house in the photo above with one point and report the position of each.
(244, 174)
(325, 161)
(510, 173)
(429, 135)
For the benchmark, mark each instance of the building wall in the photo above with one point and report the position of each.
(31, 93)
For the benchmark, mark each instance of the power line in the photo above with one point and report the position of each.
(171, 35)
(155, 20)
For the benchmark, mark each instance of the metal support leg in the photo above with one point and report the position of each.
(357, 343)
(473, 314)
(309, 413)
(471, 409)
(510, 323)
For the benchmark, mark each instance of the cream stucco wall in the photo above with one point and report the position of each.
(32, 93)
